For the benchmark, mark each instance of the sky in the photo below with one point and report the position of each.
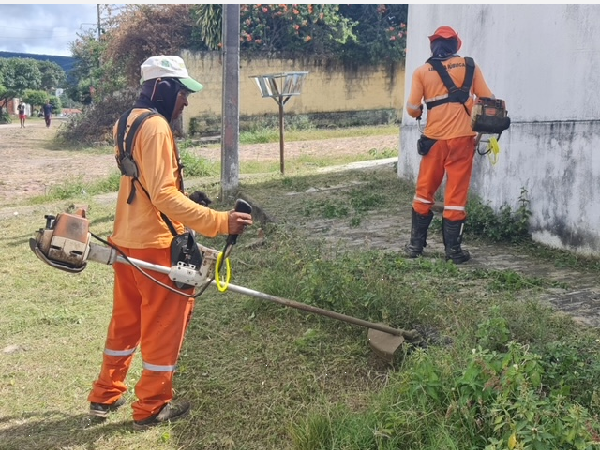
(44, 29)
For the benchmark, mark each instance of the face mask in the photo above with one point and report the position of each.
(161, 95)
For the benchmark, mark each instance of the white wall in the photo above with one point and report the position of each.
(544, 61)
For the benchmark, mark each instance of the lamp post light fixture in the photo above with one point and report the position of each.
(280, 87)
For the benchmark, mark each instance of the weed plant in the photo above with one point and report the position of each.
(516, 375)
(506, 225)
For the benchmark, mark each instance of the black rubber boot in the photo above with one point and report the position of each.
(418, 235)
(452, 235)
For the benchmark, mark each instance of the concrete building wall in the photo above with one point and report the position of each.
(544, 61)
(327, 88)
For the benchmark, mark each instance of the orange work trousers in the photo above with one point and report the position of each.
(147, 314)
(454, 157)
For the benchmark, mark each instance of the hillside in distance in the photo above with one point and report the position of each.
(65, 62)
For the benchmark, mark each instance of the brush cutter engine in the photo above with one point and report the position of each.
(65, 241)
(65, 244)
(489, 116)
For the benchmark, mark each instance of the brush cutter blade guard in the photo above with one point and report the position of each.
(384, 344)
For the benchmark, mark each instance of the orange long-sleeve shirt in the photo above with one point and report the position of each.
(139, 225)
(449, 120)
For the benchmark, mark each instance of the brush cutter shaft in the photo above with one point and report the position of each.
(323, 312)
(180, 273)
(191, 276)
(194, 276)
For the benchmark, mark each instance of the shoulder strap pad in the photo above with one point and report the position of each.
(135, 126)
(121, 130)
(125, 160)
(469, 74)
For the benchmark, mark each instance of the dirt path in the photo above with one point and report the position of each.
(30, 166)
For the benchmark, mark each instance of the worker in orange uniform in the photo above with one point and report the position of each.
(151, 208)
(446, 83)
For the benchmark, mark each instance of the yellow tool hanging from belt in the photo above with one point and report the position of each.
(489, 116)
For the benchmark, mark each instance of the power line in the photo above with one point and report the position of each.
(27, 29)
(38, 37)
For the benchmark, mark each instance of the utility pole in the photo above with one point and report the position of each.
(230, 113)
(98, 18)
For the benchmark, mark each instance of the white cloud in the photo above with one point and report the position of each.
(44, 29)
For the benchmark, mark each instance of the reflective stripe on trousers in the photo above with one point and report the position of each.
(110, 352)
(157, 368)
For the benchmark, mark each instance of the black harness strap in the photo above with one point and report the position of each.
(455, 94)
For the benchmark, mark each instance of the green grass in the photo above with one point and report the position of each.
(270, 135)
(305, 163)
(78, 189)
(264, 377)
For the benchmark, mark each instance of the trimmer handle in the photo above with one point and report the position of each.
(240, 206)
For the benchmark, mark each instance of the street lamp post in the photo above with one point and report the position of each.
(280, 87)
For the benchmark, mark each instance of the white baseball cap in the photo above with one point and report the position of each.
(168, 67)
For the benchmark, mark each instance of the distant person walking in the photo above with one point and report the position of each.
(21, 110)
(47, 108)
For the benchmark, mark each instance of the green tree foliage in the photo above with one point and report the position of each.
(91, 76)
(35, 97)
(380, 32)
(56, 104)
(19, 74)
(53, 76)
(207, 32)
(28, 78)
(307, 29)
(361, 33)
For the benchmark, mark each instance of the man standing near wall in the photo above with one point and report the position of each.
(447, 145)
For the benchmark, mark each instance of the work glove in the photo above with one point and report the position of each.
(200, 197)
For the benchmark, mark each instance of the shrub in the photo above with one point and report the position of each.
(95, 124)
(503, 226)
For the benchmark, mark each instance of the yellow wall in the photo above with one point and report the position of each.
(327, 88)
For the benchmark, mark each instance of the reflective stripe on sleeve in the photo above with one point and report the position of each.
(455, 208)
(157, 368)
(109, 352)
(434, 99)
(421, 200)
(411, 106)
